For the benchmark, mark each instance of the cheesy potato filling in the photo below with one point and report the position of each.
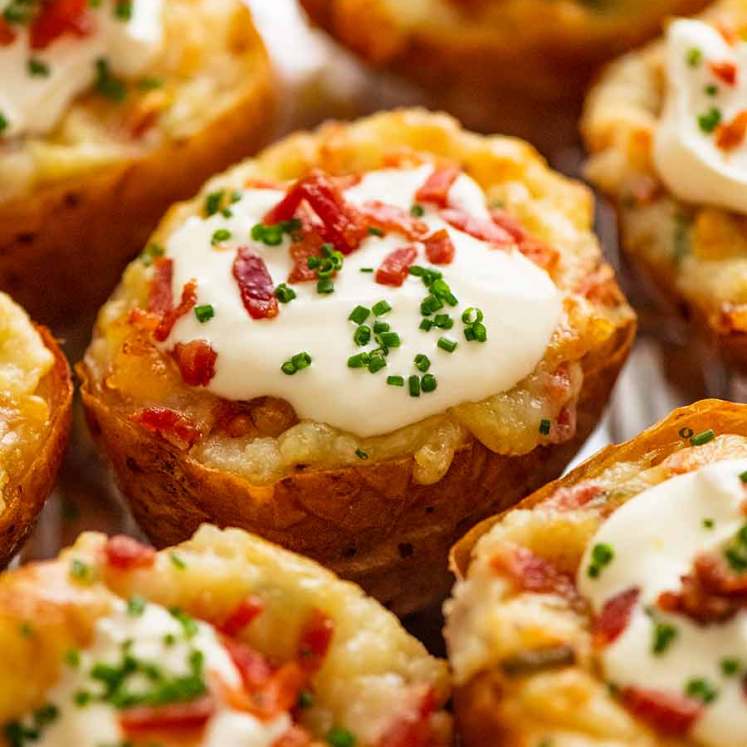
(24, 413)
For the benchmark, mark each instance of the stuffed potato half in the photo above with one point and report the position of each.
(108, 113)
(664, 128)
(596, 611)
(222, 640)
(367, 424)
(35, 406)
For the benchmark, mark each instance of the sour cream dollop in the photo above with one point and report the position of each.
(520, 304)
(117, 38)
(654, 539)
(157, 638)
(706, 92)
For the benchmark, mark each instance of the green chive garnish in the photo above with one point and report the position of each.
(358, 361)
(694, 57)
(395, 380)
(418, 211)
(325, 286)
(544, 428)
(362, 335)
(743, 476)
(284, 293)
(373, 231)
(709, 120)
(426, 325)
(708, 523)
(151, 253)
(601, 556)
(703, 438)
(729, 666)
(663, 637)
(702, 690)
(220, 235)
(422, 362)
(380, 308)
(361, 454)
(443, 321)
(447, 344)
(359, 314)
(428, 383)
(376, 361)
(389, 339)
(136, 606)
(413, 384)
(338, 737)
(204, 313)
(177, 561)
(38, 68)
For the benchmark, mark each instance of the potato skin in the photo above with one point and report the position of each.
(26, 496)
(64, 249)
(478, 701)
(373, 525)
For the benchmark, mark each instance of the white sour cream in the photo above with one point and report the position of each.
(687, 156)
(34, 104)
(97, 723)
(655, 538)
(521, 307)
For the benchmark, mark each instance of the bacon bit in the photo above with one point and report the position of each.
(716, 578)
(160, 298)
(341, 224)
(730, 135)
(246, 611)
(7, 35)
(724, 71)
(480, 228)
(600, 287)
(255, 284)
(530, 572)
(668, 713)
(567, 499)
(564, 426)
(395, 267)
(614, 617)
(542, 254)
(253, 668)
(437, 186)
(439, 248)
(261, 184)
(59, 17)
(126, 554)
(170, 318)
(314, 641)
(280, 694)
(174, 717)
(296, 736)
(196, 362)
(391, 218)
(171, 425)
(310, 245)
(413, 729)
(727, 32)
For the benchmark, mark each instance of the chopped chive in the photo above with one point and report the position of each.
(362, 335)
(443, 321)
(708, 523)
(430, 304)
(151, 83)
(213, 202)
(380, 308)
(428, 383)
(72, 658)
(177, 561)
(376, 361)
(373, 231)
(418, 211)
(359, 314)
(366, 269)
(305, 699)
(395, 380)
(422, 362)
(25, 630)
(284, 293)
(694, 57)
(361, 454)
(325, 286)
(711, 89)
(136, 606)
(301, 361)
(151, 253)
(472, 315)
(107, 84)
(204, 313)
(338, 737)
(426, 325)
(38, 68)
(602, 555)
(271, 235)
(413, 384)
(743, 476)
(701, 689)
(729, 666)
(123, 10)
(81, 571)
(544, 428)
(288, 368)
(390, 339)
(220, 235)
(380, 327)
(703, 438)
(708, 121)
(664, 635)
(476, 332)
(358, 361)
(4, 124)
(447, 344)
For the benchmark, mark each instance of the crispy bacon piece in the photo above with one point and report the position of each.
(396, 265)
(726, 72)
(413, 729)
(160, 297)
(481, 228)
(669, 713)
(171, 425)
(391, 218)
(261, 184)
(126, 554)
(296, 736)
(730, 135)
(254, 670)
(7, 35)
(437, 186)
(439, 248)
(542, 254)
(727, 31)
(255, 284)
(196, 361)
(567, 499)
(314, 641)
(243, 614)
(530, 572)
(170, 318)
(309, 245)
(181, 717)
(609, 625)
(341, 224)
(57, 18)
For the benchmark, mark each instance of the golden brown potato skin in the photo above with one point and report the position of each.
(26, 495)
(63, 250)
(374, 525)
(478, 702)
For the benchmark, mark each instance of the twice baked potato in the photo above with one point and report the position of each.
(358, 345)
(108, 113)
(597, 611)
(35, 404)
(225, 640)
(496, 60)
(665, 141)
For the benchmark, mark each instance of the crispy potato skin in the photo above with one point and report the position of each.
(478, 703)
(79, 233)
(374, 525)
(26, 495)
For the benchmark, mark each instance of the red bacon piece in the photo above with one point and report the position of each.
(730, 135)
(530, 572)
(191, 716)
(160, 298)
(567, 499)
(439, 248)
(296, 736)
(395, 267)
(171, 425)
(255, 284)
(7, 35)
(196, 361)
(314, 641)
(246, 611)
(669, 713)
(254, 670)
(126, 554)
(542, 254)
(57, 18)
(308, 245)
(170, 318)
(614, 617)
(391, 218)
(481, 228)
(726, 72)
(413, 730)
(437, 186)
